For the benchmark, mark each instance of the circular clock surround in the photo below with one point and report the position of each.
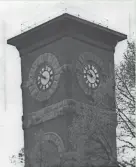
(44, 76)
(89, 69)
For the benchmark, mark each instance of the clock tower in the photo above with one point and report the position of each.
(68, 90)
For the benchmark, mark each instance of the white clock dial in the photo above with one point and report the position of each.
(45, 77)
(91, 76)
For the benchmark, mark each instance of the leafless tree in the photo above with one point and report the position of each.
(125, 100)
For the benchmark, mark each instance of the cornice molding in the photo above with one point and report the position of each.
(66, 23)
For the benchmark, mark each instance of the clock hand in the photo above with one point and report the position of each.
(43, 77)
(90, 75)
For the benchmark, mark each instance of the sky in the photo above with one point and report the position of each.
(16, 16)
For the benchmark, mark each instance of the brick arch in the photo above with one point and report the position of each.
(56, 139)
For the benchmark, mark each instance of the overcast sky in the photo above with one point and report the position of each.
(114, 14)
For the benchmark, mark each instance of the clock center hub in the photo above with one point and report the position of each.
(45, 77)
(91, 76)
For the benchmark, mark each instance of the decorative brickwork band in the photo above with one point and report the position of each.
(57, 109)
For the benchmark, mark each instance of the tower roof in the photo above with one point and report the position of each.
(67, 25)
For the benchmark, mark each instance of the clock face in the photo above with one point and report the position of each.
(44, 76)
(91, 76)
(89, 69)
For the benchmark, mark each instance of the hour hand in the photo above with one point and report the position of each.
(90, 75)
(43, 77)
